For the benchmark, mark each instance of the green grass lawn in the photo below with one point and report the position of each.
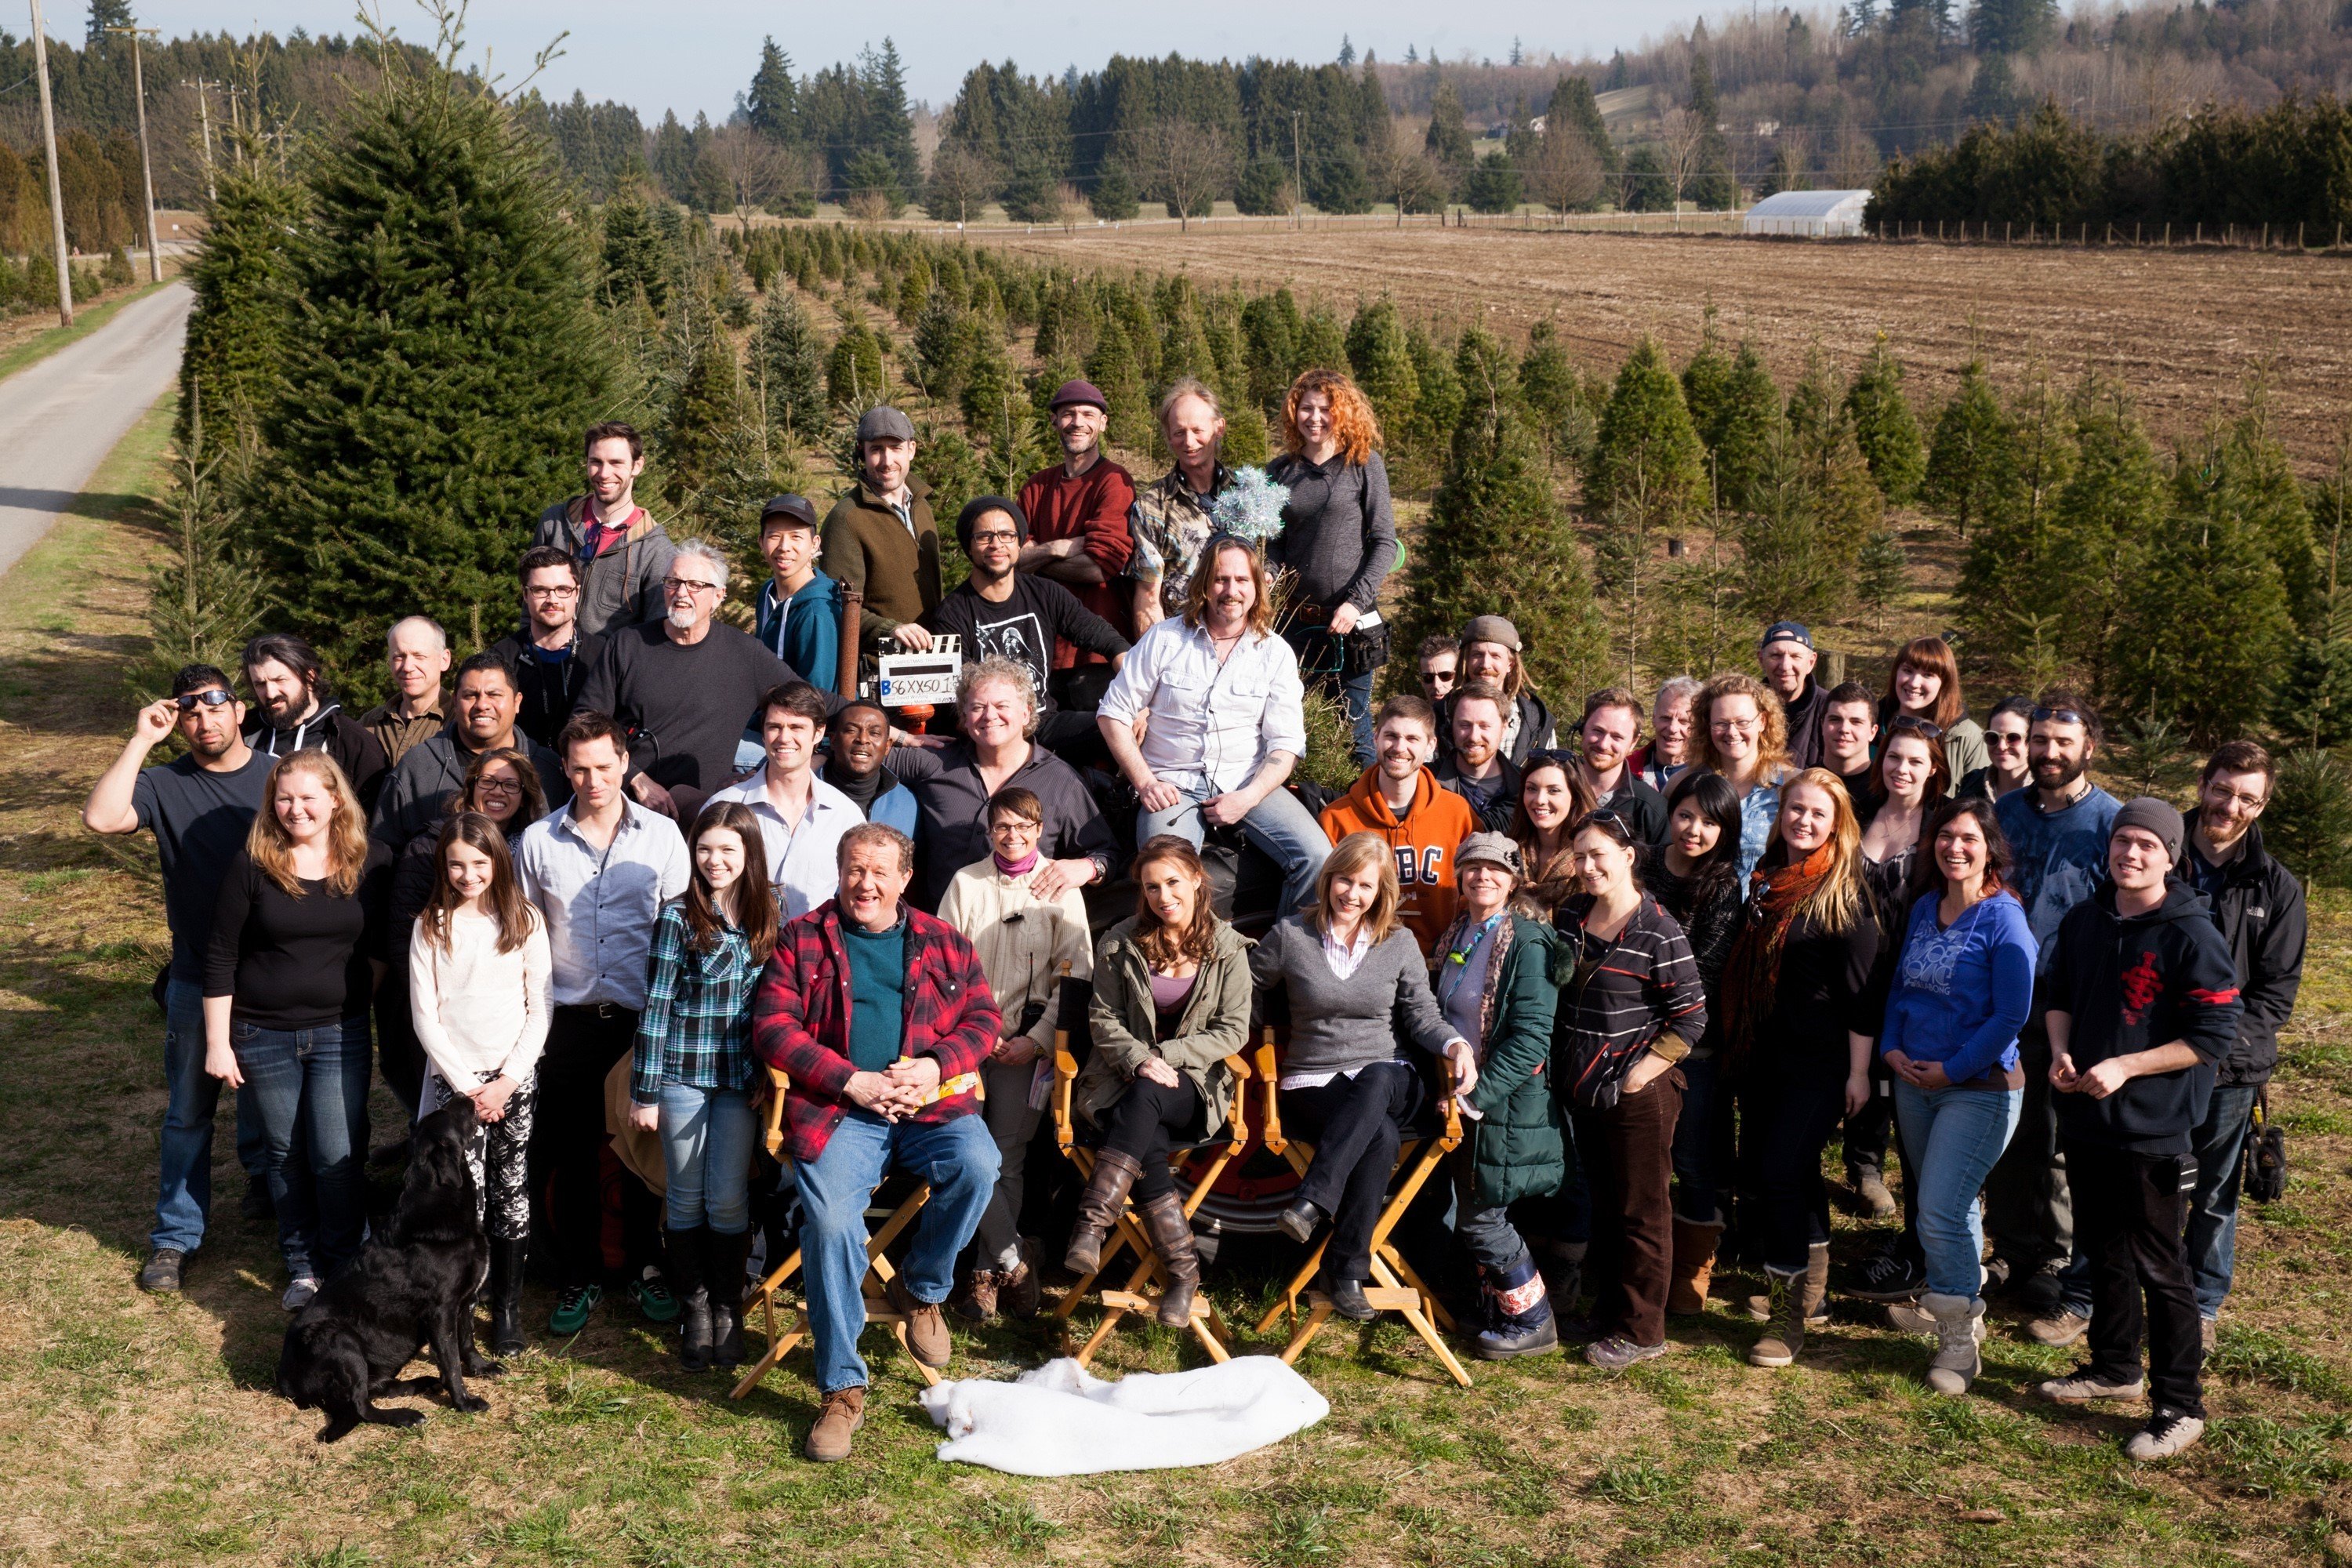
(141, 1430)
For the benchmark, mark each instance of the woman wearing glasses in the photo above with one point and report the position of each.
(2006, 772)
(1744, 741)
(1926, 684)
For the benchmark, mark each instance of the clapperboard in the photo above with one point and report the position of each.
(908, 678)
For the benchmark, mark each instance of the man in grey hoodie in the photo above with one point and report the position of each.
(622, 551)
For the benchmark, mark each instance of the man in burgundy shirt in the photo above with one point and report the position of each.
(1077, 519)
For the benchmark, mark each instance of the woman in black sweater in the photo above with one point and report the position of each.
(296, 951)
(1802, 999)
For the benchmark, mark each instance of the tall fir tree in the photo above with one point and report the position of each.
(1554, 396)
(1884, 426)
(1322, 341)
(788, 367)
(2104, 515)
(1383, 364)
(204, 601)
(1448, 140)
(2314, 705)
(1437, 404)
(772, 107)
(1271, 326)
(1970, 456)
(1112, 367)
(1646, 445)
(1711, 186)
(244, 279)
(1748, 421)
(2015, 606)
(1572, 103)
(443, 363)
(2252, 471)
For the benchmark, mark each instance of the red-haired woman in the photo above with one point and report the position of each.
(1339, 541)
(1926, 684)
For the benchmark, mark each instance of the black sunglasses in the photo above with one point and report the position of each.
(188, 702)
(2059, 716)
(1608, 821)
(1914, 725)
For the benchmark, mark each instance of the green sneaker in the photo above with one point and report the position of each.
(652, 1294)
(574, 1308)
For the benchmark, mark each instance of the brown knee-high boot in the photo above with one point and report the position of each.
(1694, 1267)
(1099, 1208)
(1170, 1234)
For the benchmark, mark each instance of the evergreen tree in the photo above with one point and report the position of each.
(1706, 380)
(1033, 193)
(2211, 633)
(1437, 405)
(1711, 186)
(887, 126)
(772, 107)
(711, 459)
(2314, 706)
(1448, 139)
(1747, 422)
(789, 366)
(1113, 368)
(942, 349)
(1573, 105)
(854, 376)
(1646, 451)
(204, 601)
(1970, 455)
(446, 360)
(243, 281)
(1494, 185)
(1383, 364)
(1553, 395)
(873, 184)
(1788, 561)
(991, 384)
(2104, 513)
(913, 292)
(2252, 471)
(1183, 351)
(1882, 572)
(1883, 428)
(1499, 536)
(1114, 199)
(1271, 326)
(1262, 189)
(2309, 824)
(2008, 578)
(1322, 341)
(636, 253)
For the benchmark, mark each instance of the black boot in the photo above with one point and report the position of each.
(1099, 1208)
(689, 1256)
(506, 1294)
(725, 1283)
(1169, 1230)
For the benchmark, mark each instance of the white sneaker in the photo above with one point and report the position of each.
(2168, 1432)
(298, 1293)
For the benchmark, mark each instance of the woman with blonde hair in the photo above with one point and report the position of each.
(1358, 993)
(1337, 542)
(1802, 995)
(297, 954)
(1172, 1002)
(1743, 739)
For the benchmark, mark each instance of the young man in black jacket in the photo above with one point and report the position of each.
(2143, 1001)
(550, 655)
(2258, 905)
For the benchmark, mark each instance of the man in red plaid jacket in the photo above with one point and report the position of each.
(881, 1017)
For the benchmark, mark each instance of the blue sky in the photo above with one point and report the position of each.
(697, 54)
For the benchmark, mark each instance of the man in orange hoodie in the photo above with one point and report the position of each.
(1422, 821)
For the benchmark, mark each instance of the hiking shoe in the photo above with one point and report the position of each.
(1512, 1337)
(2058, 1329)
(654, 1297)
(1018, 1292)
(2168, 1432)
(1911, 1318)
(299, 1292)
(574, 1308)
(975, 1299)
(927, 1327)
(1889, 1275)
(2082, 1384)
(256, 1206)
(1617, 1353)
(838, 1419)
(1869, 1184)
(160, 1277)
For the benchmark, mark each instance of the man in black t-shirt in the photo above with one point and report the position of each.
(1006, 612)
(199, 808)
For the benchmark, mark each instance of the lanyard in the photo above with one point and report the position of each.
(1457, 960)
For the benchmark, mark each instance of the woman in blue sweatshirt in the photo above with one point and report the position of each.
(1962, 988)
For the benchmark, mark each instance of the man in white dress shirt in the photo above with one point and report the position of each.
(1223, 695)
(802, 817)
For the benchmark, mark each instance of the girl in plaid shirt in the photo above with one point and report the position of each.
(693, 1071)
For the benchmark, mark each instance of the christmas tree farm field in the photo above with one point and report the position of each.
(136, 1429)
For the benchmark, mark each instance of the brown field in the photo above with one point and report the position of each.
(2184, 328)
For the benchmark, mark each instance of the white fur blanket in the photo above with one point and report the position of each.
(1059, 1420)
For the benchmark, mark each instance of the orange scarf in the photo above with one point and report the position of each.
(1751, 974)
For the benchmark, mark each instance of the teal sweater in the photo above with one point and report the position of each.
(877, 994)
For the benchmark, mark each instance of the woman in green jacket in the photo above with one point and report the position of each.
(1492, 980)
(1172, 1002)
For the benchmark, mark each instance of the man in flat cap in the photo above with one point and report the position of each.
(880, 539)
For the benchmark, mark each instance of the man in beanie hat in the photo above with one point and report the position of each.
(2142, 1002)
(880, 540)
(1004, 612)
(1077, 517)
(1490, 655)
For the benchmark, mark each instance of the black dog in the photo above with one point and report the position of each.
(405, 1293)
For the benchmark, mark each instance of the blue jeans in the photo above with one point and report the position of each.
(310, 1090)
(958, 1159)
(2220, 1146)
(1955, 1135)
(1279, 825)
(183, 1188)
(707, 1135)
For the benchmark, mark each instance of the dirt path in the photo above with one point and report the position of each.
(2184, 329)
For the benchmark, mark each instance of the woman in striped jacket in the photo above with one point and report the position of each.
(1630, 1006)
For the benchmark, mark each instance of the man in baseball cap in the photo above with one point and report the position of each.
(880, 540)
(1077, 531)
(799, 613)
(1788, 657)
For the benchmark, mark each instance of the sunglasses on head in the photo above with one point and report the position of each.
(2059, 716)
(188, 702)
(1911, 723)
(1608, 821)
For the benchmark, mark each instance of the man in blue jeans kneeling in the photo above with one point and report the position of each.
(881, 1017)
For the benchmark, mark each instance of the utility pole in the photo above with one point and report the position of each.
(205, 113)
(1297, 184)
(146, 167)
(57, 190)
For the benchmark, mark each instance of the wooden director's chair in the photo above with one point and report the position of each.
(1207, 1324)
(1395, 1287)
(879, 1270)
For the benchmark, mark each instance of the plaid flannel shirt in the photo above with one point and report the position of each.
(800, 1019)
(696, 1029)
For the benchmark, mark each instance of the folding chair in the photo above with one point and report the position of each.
(1395, 1287)
(879, 1270)
(1207, 1324)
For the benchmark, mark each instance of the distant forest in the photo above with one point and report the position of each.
(1743, 104)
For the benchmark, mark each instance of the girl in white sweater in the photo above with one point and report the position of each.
(477, 978)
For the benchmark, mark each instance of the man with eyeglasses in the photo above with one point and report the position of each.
(2005, 772)
(622, 553)
(551, 655)
(684, 688)
(2057, 832)
(199, 807)
(2258, 904)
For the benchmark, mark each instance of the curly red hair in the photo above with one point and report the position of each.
(1353, 423)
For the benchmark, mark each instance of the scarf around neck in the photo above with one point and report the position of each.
(1751, 974)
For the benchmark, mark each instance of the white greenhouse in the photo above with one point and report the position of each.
(1819, 214)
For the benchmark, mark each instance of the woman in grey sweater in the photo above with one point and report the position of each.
(1358, 989)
